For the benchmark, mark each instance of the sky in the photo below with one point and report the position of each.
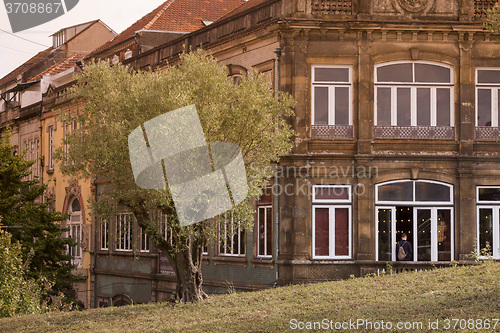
(15, 49)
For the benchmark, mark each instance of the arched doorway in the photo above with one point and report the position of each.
(420, 208)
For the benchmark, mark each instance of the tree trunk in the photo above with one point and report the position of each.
(189, 278)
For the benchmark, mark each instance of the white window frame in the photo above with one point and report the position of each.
(266, 222)
(495, 207)
(414, 202)
(125, 243)
(51, 148)
(74, 223)
(413, 88)
(144, 244)
(494, 88)
(332, 204)
(331, 93)
(433, 206)
(229, 249)
(104, 234)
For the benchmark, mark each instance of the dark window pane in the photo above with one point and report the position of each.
(331, 74)
(321, 232)
(384, 106)
(423, 107)
(341, 106)
(395, 73)
(321, 105)
(404, 106)
(484, 107)
(384, 235)
(489, 194)
(396, 192)
(432, 73)
(443, 106)
(485, 228)
(423, 234)
(341, 232)
(331, 193)
(488, 76)
(431, 192)
(262, 230)
(444, 234)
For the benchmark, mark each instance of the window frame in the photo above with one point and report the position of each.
(222, 248)
(331, 88)
(433, 86)
(414, 202)
(119, 245)
(50, 161)
(495, 207)
(104, 233)
(332, 205)
(144, 243)
(266, 223)
(495, 95)
(77, 248)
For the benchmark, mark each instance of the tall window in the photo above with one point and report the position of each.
(264, 231)
(143, 240)
(413, 94)
(423, 210)
(331, 95)
(332, 224)
(74, 225)
(487, 97)
(104, 234)
(51, 148)
(231, 236)
(124, 231)
(488, 220)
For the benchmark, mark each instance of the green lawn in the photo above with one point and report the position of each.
(461, 293)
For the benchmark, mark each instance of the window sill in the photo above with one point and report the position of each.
(263, 262)
(50, 171)
(230, 260)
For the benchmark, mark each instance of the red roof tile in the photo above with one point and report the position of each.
(60, 67)
(178, 16)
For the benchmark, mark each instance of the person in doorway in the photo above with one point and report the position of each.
(403, 249)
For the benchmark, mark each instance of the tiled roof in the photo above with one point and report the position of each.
(60, 67)
(45, 60)
(246, 5)
(178, 16)
(38, 58)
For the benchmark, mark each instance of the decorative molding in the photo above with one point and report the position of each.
(420, 7)
(73, 189)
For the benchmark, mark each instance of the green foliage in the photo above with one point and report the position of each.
(484, 254)
(40, 236)
(115, 100)
(19, 294)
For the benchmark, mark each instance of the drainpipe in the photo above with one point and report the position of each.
(96, 239)
(276, 198)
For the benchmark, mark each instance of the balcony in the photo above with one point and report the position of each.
(487, 133)
(481, 6)
(331, 7)
(332, 132)
(415, 132)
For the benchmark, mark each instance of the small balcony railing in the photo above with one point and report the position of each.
(332, 132)
(481, 6)
(487, 133)
(331, 7)
(415, 132)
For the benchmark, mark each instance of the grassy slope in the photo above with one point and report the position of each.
(462, 292)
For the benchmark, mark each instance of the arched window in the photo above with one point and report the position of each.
(414, 94)
(421, 209)
(74, 225)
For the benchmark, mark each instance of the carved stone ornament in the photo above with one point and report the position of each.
(73, 189)
(413, 6)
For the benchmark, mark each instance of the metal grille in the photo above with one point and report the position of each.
(481, 6)
(415, 132)
(487, 133)
(331, 7)
(331, 132)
